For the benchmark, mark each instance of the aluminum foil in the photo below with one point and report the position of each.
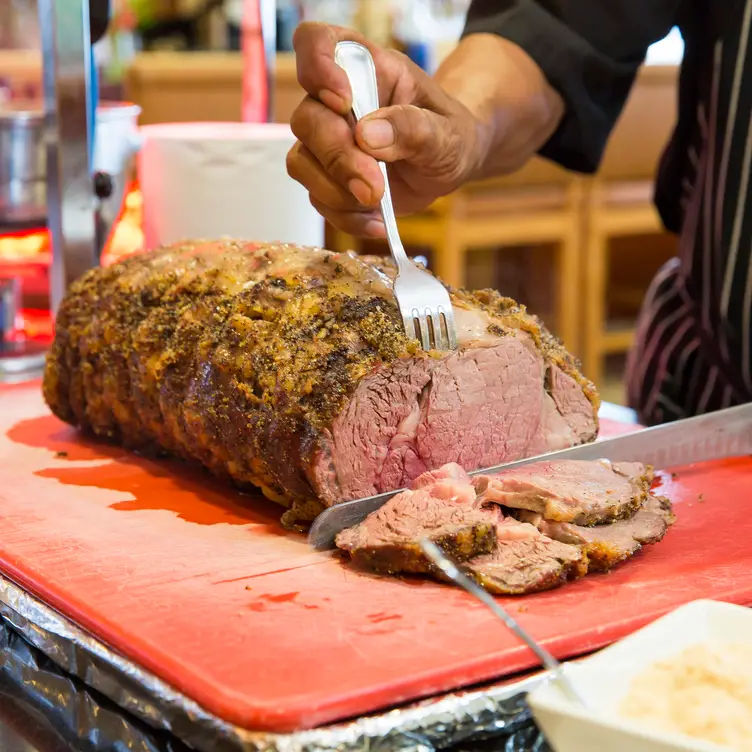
(65, 669)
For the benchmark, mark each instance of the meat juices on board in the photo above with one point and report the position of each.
(288, 369)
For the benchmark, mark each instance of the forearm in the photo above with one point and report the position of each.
(564, 93)
(516, 108)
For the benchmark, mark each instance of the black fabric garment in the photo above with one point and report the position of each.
(99, 19)
(589, 51)
(695, 335)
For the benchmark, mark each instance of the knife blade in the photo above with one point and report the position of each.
(713, 436)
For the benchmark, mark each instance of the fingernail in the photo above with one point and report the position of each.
(333, 101)
(360, 190)
(378, 134)
(375, 228)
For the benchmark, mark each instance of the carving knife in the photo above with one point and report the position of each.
(714, 436)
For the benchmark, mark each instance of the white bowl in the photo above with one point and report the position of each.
(603, 680)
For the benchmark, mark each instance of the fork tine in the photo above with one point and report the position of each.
(410, 329)
(451, 332)
(425, 334)
(433, 328)
(436, 319)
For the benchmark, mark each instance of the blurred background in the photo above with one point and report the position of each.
(578, 251)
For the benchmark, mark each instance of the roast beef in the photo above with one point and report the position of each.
(532, 552)
(607, 545)
(526, 567)
(525, 561)
(581, 492)
(288, 369)
(441, 506)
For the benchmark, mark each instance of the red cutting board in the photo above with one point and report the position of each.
(203, 587)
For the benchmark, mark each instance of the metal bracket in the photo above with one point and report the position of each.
(66, 50)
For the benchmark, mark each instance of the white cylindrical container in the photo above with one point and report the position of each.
(215, 180)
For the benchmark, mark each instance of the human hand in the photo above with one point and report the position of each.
(430, 141)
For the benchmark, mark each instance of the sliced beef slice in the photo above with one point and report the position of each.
(524, 553)
(525, 561)
(580, 492)
(440, 505)
(608, 545)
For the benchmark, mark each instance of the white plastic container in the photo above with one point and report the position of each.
(603, 680)
(214, 180)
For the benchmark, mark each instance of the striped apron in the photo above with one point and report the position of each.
(693, 345)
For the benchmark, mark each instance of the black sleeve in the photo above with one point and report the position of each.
(99, 19)
(589, 50)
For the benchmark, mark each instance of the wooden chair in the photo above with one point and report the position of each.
(540, 204)
(619, 203)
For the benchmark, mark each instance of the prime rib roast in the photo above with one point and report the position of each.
(535, 513)
(288, 369)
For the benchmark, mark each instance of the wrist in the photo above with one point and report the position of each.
(513, 108)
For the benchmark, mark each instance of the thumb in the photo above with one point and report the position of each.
(404, 132)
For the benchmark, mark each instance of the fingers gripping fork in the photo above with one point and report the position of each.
(423, 301)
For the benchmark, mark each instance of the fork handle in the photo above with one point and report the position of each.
(356, 61)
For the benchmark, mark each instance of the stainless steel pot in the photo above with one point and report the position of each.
(23, 160)
(22, 164)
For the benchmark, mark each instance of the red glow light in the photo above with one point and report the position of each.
(21, 251)
(27, 255)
